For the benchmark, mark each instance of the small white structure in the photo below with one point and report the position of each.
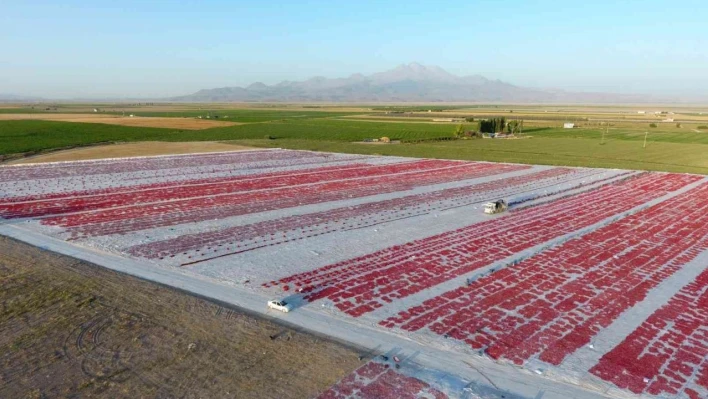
(95, 110)
(668, 120)
(568, 125)
(641, 112)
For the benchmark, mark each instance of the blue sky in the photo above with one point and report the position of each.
(132, 48)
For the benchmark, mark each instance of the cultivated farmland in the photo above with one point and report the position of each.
(593, 284)
(608, 137)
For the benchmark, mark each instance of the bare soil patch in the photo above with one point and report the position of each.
(121, 150)
(72, 329)
(137, 121)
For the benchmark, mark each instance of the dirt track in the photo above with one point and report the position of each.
(71, 329)
(145, 148)
(172, 123)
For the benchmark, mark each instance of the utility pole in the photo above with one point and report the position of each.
(645, 139)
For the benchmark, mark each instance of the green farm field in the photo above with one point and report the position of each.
(35, 135)
(621, 154)
(621, 145)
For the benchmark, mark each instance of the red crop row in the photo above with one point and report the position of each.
(47, 197)
(33, 172)
(80, 185)
(219, 186)
(668, 353)
(555, 302)
(378, 381)
(240, 238)
(122, 220)
(363, 284)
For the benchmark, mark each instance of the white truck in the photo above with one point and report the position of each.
(280, 305)
(498, 206)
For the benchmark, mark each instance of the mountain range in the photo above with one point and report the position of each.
(7, 97)
(406, 83)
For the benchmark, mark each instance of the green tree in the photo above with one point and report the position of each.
(514, 126)
(494, 125)
(459, 130)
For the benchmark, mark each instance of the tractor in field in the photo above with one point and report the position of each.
(498, 206)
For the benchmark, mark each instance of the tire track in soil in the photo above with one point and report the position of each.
(101, 363)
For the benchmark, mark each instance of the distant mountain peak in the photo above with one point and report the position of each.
(415, 66)
(257, 86)
(414, 72)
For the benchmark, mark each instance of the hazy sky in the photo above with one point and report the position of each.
(128, 48)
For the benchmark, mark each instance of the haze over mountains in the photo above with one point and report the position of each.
(406, 83)
(8, 97)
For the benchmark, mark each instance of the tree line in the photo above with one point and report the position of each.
(498, 125)
(494, 125)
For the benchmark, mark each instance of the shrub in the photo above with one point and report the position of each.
(652, 125)
(703, 127)
(269, 137)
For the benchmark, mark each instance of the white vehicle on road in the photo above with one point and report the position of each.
(280, 305)
(499, 206)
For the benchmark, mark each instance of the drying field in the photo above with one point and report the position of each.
(594, 283)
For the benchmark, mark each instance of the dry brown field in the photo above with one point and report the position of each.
(172, 123)
(122, 150)
(73, 329)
